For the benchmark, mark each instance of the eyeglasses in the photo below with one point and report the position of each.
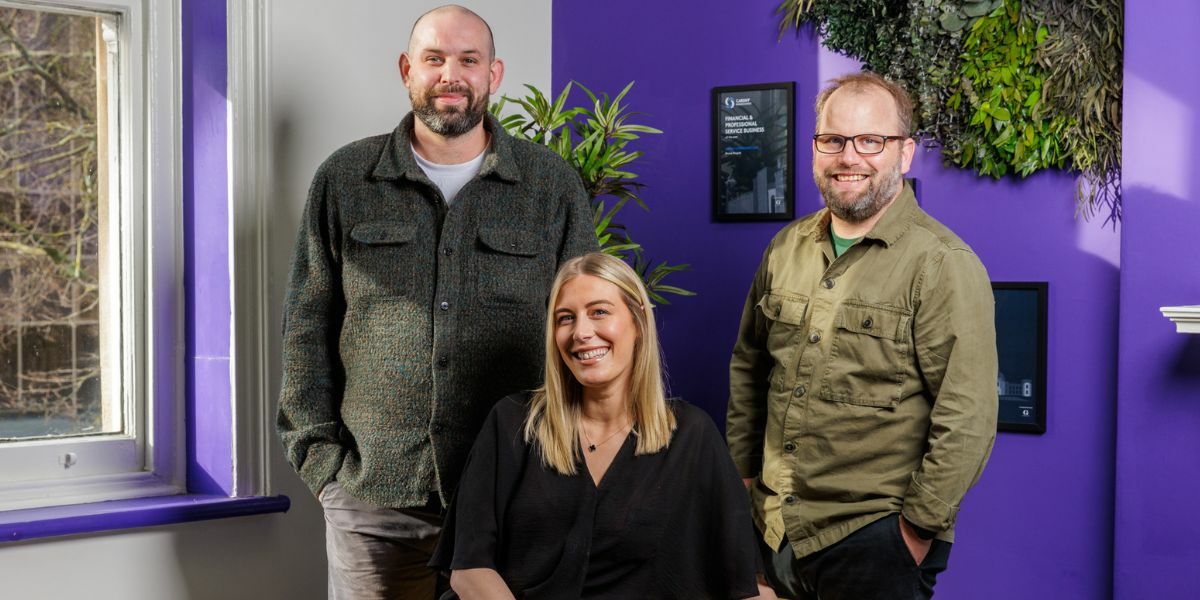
(864, 143)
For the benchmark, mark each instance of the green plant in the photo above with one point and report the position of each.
(594, 139)
(870, 30)
(999, 92)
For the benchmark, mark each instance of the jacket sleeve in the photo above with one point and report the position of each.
(579, 236)
(735, 559)
(955, 340)
(749, 370)
(308, 419)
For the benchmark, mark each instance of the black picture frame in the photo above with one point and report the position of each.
(1021, 325)
(753, 153)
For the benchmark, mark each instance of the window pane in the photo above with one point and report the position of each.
(52, 66)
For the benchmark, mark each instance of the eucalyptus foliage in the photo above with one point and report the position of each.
(928, 63)
(1004, 86)
(594, 139)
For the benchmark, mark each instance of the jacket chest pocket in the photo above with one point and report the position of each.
(379, 259)
(869, 357)
(784, 313)
(510, 268)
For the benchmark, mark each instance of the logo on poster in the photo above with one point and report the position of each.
(731, 102)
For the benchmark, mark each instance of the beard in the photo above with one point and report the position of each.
(450, 122)
(883, 187)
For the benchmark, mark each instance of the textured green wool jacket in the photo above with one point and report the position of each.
(865, 384)
(407, 319)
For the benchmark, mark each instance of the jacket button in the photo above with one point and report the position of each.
(799, 391)
(448, 251)
(868, 323)
(444, 305)
(789, 499)
(789, 447)
(442, 361)
(827, 283)
(814, 337)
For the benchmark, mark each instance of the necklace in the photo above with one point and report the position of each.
(593, 445)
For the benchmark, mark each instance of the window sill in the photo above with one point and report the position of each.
(1186, 318)
(33, 523)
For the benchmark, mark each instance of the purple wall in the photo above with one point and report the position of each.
(206, 249)
(1039, 523)
(1158, 438)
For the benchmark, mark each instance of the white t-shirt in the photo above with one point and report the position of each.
(450, 178)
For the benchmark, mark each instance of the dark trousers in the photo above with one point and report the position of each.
(870, 564)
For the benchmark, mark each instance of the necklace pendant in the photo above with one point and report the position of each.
(592, 448)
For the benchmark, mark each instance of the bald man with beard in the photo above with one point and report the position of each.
(417, 299)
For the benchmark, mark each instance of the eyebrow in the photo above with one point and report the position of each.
(588, 305)
(443, 52)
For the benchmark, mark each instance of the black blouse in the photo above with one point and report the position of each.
(674, 524)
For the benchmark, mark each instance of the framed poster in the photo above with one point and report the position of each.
(754, 129)
(1021, 346)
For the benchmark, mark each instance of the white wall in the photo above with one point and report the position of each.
(332, 79)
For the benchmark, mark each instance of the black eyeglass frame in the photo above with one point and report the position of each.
(854, 142)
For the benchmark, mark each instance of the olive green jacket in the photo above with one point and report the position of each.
(866, 384)
(407, 319)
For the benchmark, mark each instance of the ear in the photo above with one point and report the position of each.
(405, 66)
(497, 75)
(907, 149)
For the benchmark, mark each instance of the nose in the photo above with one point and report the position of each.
(849, 155)
(451, 72)
(583, 330)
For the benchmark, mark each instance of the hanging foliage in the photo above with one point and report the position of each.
(1003, 86)
(1083, 81)
(869, 30)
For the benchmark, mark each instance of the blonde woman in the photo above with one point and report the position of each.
(597, 485)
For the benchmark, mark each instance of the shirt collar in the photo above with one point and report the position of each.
(899, 217)
(397, 160)
(890, 228)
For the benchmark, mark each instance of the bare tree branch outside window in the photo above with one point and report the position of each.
(49, 225)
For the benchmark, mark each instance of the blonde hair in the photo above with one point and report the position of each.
(553, 421)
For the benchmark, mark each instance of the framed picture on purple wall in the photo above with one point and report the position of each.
(1021, 346)
(754, 140)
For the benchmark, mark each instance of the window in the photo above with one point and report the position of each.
(89, 385)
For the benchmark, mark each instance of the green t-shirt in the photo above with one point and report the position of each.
(841, 244)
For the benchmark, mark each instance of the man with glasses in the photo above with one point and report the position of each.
(863, 382)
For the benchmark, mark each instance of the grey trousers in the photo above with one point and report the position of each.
(378, 553)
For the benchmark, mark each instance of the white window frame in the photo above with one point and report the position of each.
(249, 168)
(145, 193)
